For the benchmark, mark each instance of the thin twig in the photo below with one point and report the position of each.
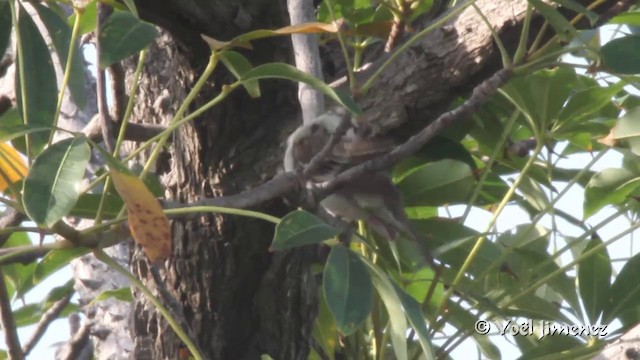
(105, 119)
(9, 323)
(47, 318)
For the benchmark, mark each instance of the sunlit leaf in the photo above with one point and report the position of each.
(238, 65)
(609, 186)
(628, 129)
(12, 166)
(627, 18)
(561, 25)
(122, 294)
(88, 18)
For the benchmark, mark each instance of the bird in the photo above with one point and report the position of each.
(371, 196)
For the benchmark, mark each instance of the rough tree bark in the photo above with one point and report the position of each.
(240, 300)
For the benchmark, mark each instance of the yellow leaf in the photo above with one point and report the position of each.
(12, 166)
(148, 224)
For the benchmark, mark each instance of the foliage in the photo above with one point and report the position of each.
(376, 296)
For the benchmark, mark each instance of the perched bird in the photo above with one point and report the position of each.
(372, 196)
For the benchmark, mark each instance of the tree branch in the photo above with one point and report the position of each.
(287, 182)
(8, 323)
(47, 318)
(106, 123)
(307, 56)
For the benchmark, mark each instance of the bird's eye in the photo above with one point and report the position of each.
(314, 128)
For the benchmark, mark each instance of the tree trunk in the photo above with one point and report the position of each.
(240, 300)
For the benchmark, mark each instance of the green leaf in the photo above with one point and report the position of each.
(625, 291)
(575, 6)
(88, 18)
(463, 320)
(324, 330)
(123, 35)
(5, 27)
(627, 18)
(301, 228)
(238, 65)
(61, 38)
(551, 345)
(438, 183)
(122, 294)
(622, 55)
(454, 241)
(609, 187)
(132, 7)
(87, 206)
(40, 85)
(542, 94)
(288, 72)
(594, 276)
(17, 275)
(585, 103)
(562, 26)
(392, 302)
(628, 129)
(347, 288)
(53, 185)
(56, 260)
(414, 313)
(533, 263)
(523, 235)
(32, 313)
